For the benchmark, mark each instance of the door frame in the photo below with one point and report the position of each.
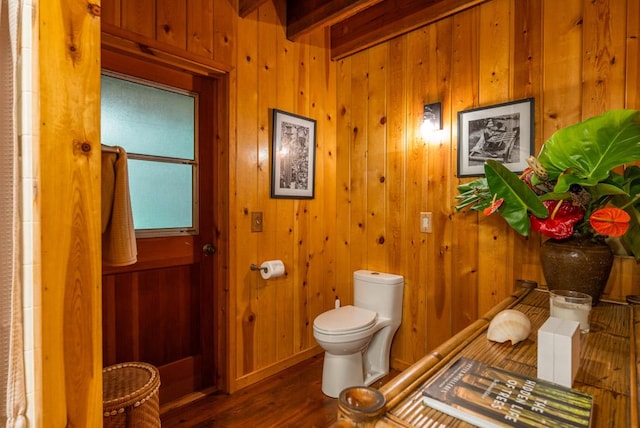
(122, 42)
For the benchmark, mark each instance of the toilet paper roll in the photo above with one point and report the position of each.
(272, 269)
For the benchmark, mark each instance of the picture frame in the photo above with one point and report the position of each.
(503, 132)
(293, 151)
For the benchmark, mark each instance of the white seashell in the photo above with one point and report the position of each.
(509, 325)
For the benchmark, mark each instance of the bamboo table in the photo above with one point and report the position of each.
(608, 364)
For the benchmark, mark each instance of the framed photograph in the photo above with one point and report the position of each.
(503, 132)
(293, 156)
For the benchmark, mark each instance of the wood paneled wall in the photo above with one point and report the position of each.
(374, 172)
(577, 58)
(270, 322)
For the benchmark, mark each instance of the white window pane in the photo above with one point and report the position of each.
(147, 120)
(161, 195)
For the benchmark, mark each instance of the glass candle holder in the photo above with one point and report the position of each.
(571, 305)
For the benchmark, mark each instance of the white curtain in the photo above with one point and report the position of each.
(11, 331)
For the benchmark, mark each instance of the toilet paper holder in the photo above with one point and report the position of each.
(256, 267)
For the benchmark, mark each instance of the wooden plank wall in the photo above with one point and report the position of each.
(374, 172)
(577, 58)
(271, 322)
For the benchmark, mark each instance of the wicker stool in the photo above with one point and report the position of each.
(130, 396)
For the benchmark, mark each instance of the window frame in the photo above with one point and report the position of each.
(195, 205)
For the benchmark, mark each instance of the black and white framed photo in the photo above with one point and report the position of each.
(502, 132)
(293, 156)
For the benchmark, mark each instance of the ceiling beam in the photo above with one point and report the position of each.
(245, 7)
(304, 16)
(389, 19)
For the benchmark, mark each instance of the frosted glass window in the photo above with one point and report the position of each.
(150, 120)
(158, 196)
(156, 127)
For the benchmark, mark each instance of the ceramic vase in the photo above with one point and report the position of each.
(577, 264)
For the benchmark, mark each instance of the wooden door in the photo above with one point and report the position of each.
(161, 310)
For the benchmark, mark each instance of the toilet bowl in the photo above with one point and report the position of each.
(357, 338)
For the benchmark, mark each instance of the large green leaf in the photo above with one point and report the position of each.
(631, 205)
(584, 153)
(519, 199)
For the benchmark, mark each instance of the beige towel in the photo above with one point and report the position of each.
(118, 235)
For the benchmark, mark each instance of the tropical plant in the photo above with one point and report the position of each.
(581, 183)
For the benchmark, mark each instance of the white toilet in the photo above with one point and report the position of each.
(357, 338)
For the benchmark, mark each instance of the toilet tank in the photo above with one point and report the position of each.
(378, 291)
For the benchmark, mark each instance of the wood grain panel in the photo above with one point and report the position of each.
(343, 289)
(439, 175)
(171, 23)
(414, 312)
(603, 44)
(127, 324)
(562, 47)
(212, 222)
(301, 223)
(284, 213)
(246, 252)
(199, 31)
(222, 227)
(139, 16)
(527, 82)
(156, 252)
(632, 76)
(357, 150)
(267, 325)
(110, 12)
(376, 159)
(322, 216)
(67, 122)
(464, 242)
(174, 316)
(624, 278)
(495, 236)
(396, 144)
(323, 102)
(437, 314)
(109, 335)
(225, 32)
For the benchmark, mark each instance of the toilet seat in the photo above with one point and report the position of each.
(345, 320)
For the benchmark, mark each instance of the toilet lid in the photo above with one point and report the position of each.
(345, 319)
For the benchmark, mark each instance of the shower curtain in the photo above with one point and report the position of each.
(13, 402)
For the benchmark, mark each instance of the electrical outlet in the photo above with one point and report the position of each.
(256, 221)
(426, 222)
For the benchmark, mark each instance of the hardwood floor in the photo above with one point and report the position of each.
(292, 398)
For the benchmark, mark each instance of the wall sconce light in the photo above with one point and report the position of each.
(432, 118)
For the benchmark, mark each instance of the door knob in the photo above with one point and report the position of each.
(208, 249)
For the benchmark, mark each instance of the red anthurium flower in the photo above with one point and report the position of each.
(559, 224)
(610, 221)
(495, 204)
